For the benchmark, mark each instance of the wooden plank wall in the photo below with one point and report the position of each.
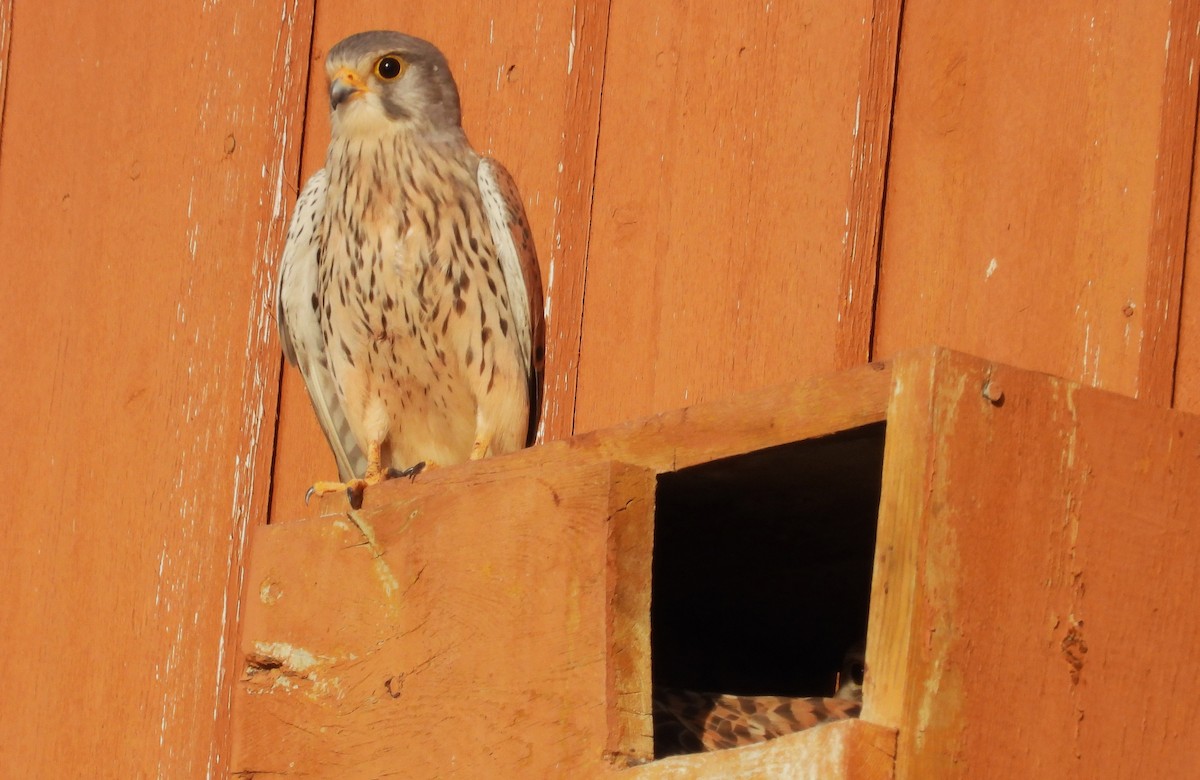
(1032, 644)
(1038, 188)
(143, 170)
(720, 201)
(738, 188)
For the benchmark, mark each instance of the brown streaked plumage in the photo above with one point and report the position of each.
(410, 297)
(691, 722)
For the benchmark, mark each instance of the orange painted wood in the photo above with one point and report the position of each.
(755, 420)
(1187, 381)
(425, 637)
(1187, 363)
(1031, 609)
(1034, 543)
(139, 220)
(1170, 205)
(529, 73)
(1037, 188)
(496, 629)
(739, 178)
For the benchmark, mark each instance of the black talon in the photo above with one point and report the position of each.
(308, 494)
(411, 472)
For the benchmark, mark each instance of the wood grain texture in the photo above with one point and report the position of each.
(1037, 187)
(529, 73)
(1169, 205)
(899, 543)
(763, 418)
(477, 629)
(629, 551)
(739, 178)
(139, 217)
(6, 14)
(1043, 550)
(872, 135)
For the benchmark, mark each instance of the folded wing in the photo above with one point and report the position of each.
(300, 325)
(518, 260)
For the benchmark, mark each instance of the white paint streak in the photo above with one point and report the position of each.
(571, 44)
(991, 269)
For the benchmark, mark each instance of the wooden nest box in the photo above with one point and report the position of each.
(1002, 536)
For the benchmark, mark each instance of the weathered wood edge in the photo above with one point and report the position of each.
(673, 440)
(902, 510)
(630, 547)
(849, 749)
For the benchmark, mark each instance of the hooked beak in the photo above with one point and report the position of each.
(345, 85)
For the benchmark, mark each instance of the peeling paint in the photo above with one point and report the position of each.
(571, 44)
(294, 659)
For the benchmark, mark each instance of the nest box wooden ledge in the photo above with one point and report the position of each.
(508, 617)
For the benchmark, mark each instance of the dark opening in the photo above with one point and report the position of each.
(762, 566)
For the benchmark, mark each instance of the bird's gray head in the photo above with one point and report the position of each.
(379, 79)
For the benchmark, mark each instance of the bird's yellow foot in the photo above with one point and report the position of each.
(353, 489)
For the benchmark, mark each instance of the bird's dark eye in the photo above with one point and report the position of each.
(389, 67)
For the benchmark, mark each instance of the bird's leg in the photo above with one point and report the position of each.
(374, 473)
(354, 488)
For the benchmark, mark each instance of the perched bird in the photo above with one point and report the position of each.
(692, 722)
(409, 292)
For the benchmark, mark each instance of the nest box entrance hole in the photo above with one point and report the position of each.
(762, 566)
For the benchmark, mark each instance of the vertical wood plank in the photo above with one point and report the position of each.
(1187, 379)
(140, 212)
(738, 183)
(529, 73)
(6, 14)
(872, 135)
(1187, 364)
(1043, 547)
(1036, 186)
(900, 542)
(629, 737)
(1170, 205)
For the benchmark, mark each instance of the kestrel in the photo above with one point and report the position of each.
(409, 290)
(691, 722)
